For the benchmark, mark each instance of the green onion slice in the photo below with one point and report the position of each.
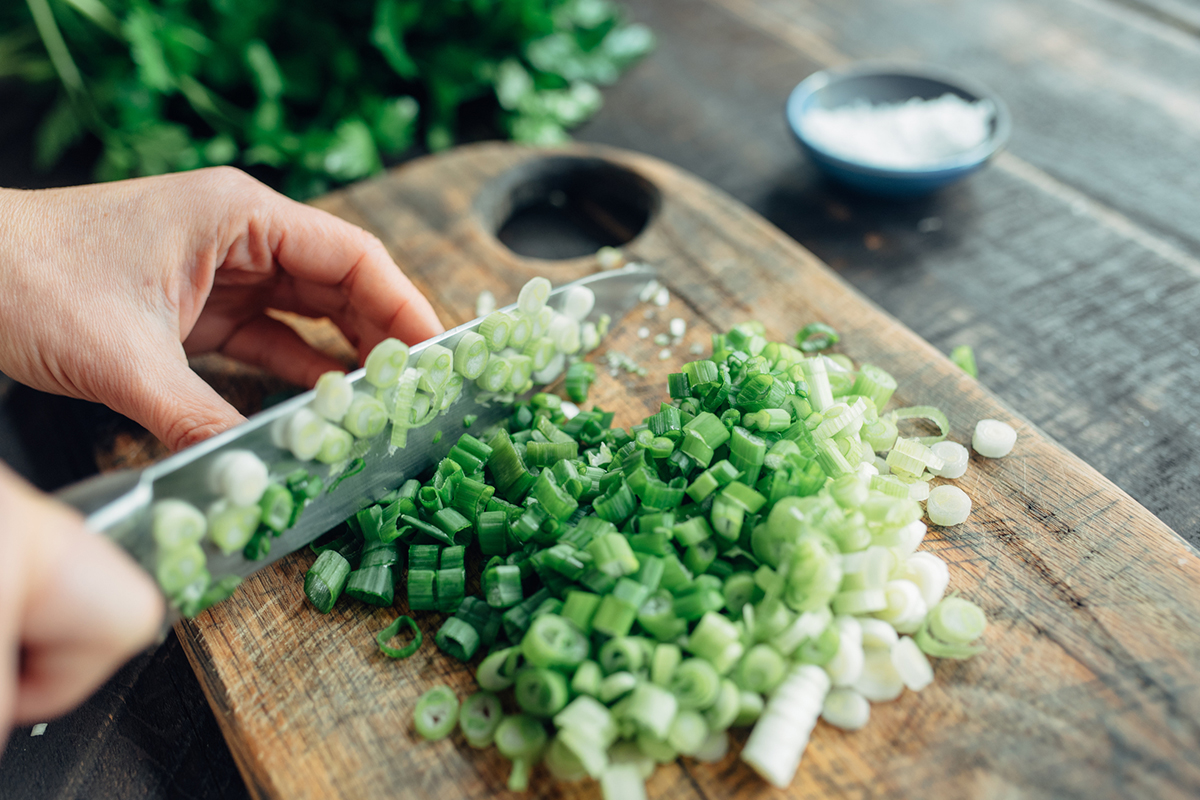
(386, 635)
(436, 713)
(479, 718)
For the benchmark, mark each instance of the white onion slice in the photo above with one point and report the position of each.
(305, 433)
(948, 505)
(879, 681)
(931, 575)
(993, 438)
(954, 459)
(579, 302)
(906, 607)
(847, 663)
(334, 395)
(846, 709)
(532, 297)
(877, 634)
(911, 664)
(239, 476)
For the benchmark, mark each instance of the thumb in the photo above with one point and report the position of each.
(83, 609)
(173, 402)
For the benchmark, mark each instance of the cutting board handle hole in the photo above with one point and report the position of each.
(564, 207)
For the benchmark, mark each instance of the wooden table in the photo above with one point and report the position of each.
(1071, 264)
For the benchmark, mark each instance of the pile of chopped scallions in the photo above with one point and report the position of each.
(746, 556)
(741, 557)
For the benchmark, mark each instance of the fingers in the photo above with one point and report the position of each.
(171, 401)
(268, 343)
(318, 247)
(84, 608)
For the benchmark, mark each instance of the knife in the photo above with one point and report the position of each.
(118, 504)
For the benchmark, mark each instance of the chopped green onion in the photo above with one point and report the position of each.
(335, 445)
(470, 355)
(580, 376)
(177, 523)
(929, 413)
(653, 708)
(496, 329)
(553, 641)
(436, 363)
(695, 684)
(479, 718)
(386, 635)
(457, 638)
(502, 586)
(781, 733)
(993, 438)
(520, 738)
(950, 627)
(846, 709)
(334, 394)
(372, 585)
(948, 505)
(541, 692)
(230, 527)
(436, 713)
(492, 674)
(385, 362)
(325, 580)
(365, 417)
(816, 336)
(180, 567)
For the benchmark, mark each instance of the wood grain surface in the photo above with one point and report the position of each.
(1071, 265)
(1090, 686)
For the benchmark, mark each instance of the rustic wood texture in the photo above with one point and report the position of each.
(1089, 687)
(1071, 264)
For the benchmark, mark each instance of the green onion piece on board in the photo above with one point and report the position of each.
(373, 585)
(579, 379)
(553, 641)
(930, 413)
(478, 718)
(325, 580)
(436, 713)
(492, 674)
(816, 336)
(541, 692)
(520, 738)
(386, 635)
(457, 639)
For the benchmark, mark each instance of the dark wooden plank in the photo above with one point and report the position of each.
(1080, 315)
(1091, 683)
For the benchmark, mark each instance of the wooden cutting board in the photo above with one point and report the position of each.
(1090, 685)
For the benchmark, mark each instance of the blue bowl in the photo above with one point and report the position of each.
(882, 83)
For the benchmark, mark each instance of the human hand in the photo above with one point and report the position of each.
(100, 285)
(73, 607)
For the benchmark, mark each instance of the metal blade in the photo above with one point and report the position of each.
(118, 504)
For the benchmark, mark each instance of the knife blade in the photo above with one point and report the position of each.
(119, 504)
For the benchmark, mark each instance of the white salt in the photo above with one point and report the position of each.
(913, 134)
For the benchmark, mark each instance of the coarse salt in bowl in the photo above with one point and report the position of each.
(896, 130)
